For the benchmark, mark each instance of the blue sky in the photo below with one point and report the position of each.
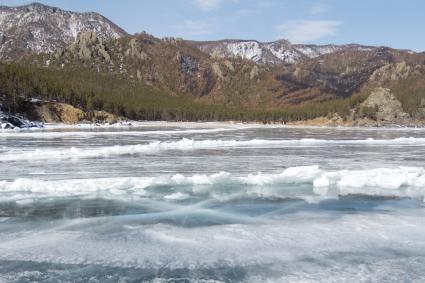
(395, 23)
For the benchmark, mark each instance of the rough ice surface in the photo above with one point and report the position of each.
(185, 144)
(190, 202)
(317, 184)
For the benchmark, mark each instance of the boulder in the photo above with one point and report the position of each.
(11, 122)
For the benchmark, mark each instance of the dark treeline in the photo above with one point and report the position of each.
(90, 90)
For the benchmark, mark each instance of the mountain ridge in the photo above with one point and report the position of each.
(277, 52)
(38, 28)
(145, 77)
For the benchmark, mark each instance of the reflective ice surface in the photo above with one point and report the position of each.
(186, 202)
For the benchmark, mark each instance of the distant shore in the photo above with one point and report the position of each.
(209, 124)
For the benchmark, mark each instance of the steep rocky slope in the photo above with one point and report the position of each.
(169, 64)
(177, 67)
(37, 28)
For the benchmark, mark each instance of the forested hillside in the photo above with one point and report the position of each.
(88, 90)
(143, 77)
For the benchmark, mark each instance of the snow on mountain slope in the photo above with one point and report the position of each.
(248, 49)
(37, 28)
(276, 52)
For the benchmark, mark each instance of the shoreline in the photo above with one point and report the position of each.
(206, 124)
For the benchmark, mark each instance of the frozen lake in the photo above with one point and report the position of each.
(211, 202)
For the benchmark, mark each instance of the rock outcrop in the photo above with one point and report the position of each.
(380, 109)
(384, 107)
(392, 72)
(88, 46)
(58, 112)
(135, 51)
(48, 112)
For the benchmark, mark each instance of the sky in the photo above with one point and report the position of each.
(394, 23)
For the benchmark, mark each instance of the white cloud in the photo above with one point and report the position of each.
(208, 5)
(194, 28)
(307, 31)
